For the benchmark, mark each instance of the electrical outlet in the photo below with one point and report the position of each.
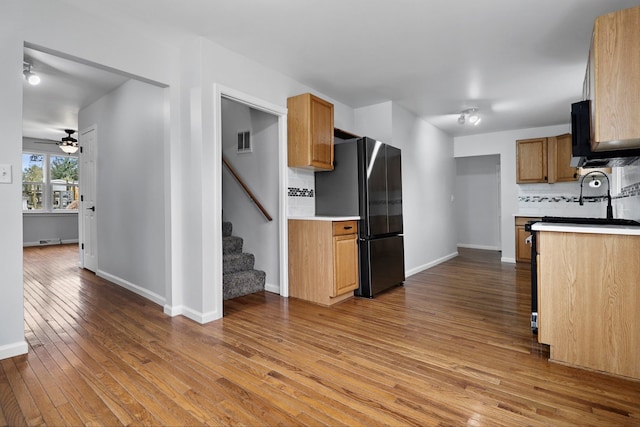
(5, 174)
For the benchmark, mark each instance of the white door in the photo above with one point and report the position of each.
(88, 215)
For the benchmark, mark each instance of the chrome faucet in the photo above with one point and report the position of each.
(609, 207)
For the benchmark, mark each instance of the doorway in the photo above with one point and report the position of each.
(477, 195)
(269, 121)
(250, 150)
(131, 220)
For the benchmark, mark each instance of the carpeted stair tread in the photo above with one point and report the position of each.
(231, 245)
(242, 283)
(232, 263)
(238, 276)
(227, 228)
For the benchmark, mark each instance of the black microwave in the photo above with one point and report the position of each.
(582, 156)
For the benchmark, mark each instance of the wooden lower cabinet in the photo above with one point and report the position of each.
(323, 260)
(589, 300)
(523, 249)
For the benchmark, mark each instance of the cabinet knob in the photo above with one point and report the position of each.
(348, 227)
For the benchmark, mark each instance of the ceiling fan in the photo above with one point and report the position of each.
(68, 144)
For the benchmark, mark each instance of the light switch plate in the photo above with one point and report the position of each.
(5, 174)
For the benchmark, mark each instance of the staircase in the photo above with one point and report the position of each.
(238, 276)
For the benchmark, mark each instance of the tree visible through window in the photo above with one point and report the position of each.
(49, 182)
(32, 181)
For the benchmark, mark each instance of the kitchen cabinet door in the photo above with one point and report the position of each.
(523, 249)
(345, 264)
(531, 158)
(612, 83)
(310, 132)
(559, 159)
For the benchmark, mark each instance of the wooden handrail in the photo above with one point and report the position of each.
(246, 189)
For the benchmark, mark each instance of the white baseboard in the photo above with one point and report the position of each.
(59, 242)
(509, 260)
(270, 287)
(427, 266)
(172, 311)
(12, 350)
(158, 299)
(483, 247)
(196, 316)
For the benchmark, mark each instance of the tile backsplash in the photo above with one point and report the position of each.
(628, 204)
(301, 193)
(561, 199)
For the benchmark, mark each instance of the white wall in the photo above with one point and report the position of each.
(259, 171)
(38, 24)
(428, 176)
(428, 179)
(12, 340)
(477, 204)
(211, 64)
(375, 121)
(504, 145)
(60, 226)
(188, 175)
(130, 197)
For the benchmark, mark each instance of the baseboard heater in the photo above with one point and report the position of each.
(50, 242)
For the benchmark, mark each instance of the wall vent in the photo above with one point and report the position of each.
(244, 141)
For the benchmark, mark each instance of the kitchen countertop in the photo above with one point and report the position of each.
(584, 228)
(325, 218)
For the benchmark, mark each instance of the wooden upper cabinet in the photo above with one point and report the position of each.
(544, 160)
(310, 132)
(559, 159)
(531, 158)
(612, 82)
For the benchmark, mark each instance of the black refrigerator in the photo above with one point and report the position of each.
(367, 182)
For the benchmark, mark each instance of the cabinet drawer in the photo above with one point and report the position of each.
(345, 227)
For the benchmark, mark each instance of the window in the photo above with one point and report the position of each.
(49, 182)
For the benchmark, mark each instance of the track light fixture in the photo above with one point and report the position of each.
(69, 144)
(473, 116)
(29, 75)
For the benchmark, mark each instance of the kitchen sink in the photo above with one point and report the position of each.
(590, 221)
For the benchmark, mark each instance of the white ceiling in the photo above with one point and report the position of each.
(65, 88)
(521, 63)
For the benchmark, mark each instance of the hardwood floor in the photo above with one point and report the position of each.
(450, 347)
